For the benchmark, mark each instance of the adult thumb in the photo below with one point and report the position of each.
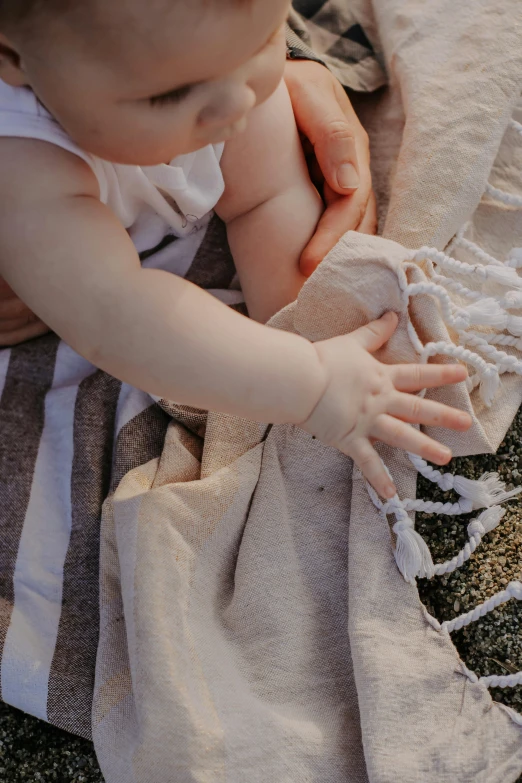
(375, 334)
(326, 117)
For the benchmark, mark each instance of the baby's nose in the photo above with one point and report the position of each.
(229, 107)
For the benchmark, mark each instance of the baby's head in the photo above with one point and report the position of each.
(141, 81)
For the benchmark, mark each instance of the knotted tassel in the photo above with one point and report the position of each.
(489, 383)
(504, 275)
(514, 325)
(513, 299)
(514, 258)
(477, 529)
(412, 555)
(485, 492)
(486, 522)
(486, 312)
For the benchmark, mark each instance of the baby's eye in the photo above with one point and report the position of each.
(173, 96)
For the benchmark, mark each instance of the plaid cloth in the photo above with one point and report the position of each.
(331, 32)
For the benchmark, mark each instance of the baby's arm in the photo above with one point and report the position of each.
(270, 206)
(70, 260)
(65, 254)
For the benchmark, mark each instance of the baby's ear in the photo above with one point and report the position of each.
(11, 67)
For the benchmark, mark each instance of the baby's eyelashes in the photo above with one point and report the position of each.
(173, 96)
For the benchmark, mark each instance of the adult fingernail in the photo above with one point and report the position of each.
(347, 177)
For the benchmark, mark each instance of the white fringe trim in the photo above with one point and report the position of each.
(513, 590)
(488, 291)
(477, 529)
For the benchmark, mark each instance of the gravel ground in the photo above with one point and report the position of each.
(32, 751)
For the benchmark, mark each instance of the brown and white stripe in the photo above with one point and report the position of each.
(67, 433)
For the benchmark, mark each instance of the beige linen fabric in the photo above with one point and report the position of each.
(255, 626)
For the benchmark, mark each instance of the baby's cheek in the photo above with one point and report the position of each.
(271, 71)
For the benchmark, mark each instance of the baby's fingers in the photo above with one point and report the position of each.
(396, 433)
(410, 408)
(414, 377)
(370, 465)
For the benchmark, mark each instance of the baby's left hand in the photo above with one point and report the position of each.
(340, 157)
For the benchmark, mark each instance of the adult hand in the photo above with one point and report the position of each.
(17, 322)
(338, 154)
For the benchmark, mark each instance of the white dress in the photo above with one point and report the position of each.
(150, 201)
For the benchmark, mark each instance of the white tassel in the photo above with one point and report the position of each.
(412, 555)
(513, 299)
(477, 529)
(504, 275)
(514, 258)
(514, 325)
(486, 522)
(488, 491)
(487, 312)
(489, 384)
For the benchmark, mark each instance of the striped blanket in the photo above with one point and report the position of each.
(68, 432)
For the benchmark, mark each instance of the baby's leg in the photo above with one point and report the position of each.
(270, 206)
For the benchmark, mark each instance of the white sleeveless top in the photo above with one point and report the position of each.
(150, 201)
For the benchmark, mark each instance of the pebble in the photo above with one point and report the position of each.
(495, 639)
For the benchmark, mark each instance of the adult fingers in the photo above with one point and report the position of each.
(414, 377)
(370, 465)
(368, 224)
(396, 433)
(342, 214)
(350, 213)
(375, 334)
(324, 115)
(415, 410)
(334, 223)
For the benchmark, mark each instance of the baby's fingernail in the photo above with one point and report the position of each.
(389, 491)
(347, 177)
(444, 452)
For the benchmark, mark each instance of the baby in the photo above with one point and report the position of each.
(113, 117)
